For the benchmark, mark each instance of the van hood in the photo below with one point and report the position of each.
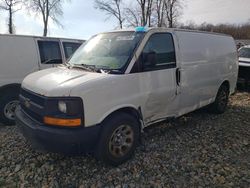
(58, 81)
(244, 62)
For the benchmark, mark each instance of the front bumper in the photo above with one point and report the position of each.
(57, 139)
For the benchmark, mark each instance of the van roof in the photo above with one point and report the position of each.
(41, 37)
(171, 30)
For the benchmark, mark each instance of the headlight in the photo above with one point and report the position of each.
(64, 111)
(62, 106)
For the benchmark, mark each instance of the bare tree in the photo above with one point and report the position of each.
(139, 13)
(146, 11)
(48, 9)
(241, 31)
(173, 11)
(143, 12)
(133, 19)
(12, 6)
(160, 12)
(112, 8)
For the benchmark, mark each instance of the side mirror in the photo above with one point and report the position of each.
(149, 60)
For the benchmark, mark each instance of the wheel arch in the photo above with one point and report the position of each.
(225, 83)
(131, 110)
(15, 87)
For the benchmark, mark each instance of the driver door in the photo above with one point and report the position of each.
(158, 77)
(49, 53)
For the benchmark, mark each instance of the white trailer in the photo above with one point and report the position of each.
(21, 55)
(120, 82)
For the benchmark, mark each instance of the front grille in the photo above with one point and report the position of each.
(38, 99)
(32, 104)
(33, 115)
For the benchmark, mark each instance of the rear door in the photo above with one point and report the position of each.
(158, 79)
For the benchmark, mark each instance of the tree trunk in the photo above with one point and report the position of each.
(143, 13)
(10, 21)
(46, 19)
(120, 23)
(45, 29)
(119, 14)
(171, 19)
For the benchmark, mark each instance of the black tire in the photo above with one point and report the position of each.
(221, 101)
(109, 149)
(6, 100)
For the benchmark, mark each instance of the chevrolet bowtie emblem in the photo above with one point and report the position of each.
(27, 103)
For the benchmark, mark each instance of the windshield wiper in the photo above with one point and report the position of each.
(89, 67)
(53, 61)
(93, 68)
(83, 66)
(115, 71)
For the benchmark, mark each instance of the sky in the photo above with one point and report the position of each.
(81, 20)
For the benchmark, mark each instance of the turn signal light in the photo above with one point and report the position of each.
(62, 122)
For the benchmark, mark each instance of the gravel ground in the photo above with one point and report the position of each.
(196, 150)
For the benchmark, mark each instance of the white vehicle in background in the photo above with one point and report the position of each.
(22, 55)
(244, 63)
(120, 82)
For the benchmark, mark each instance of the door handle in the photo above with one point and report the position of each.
(178, 76)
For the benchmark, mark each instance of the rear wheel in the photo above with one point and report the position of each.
(119, 138)
(220, 104)
(8, 104)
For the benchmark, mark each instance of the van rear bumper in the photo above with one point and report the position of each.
(69, 141)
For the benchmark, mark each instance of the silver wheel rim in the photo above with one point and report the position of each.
(9, 109)
(121, 141)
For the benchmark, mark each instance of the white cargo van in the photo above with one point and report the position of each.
(22, 55)
(120, 82)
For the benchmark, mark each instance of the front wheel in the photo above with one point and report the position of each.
(119, 138)
(220, 104)
(8, 104)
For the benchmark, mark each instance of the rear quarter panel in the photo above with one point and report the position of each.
(206, 60)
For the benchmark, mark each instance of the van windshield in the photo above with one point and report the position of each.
(108, 51)
(244, 52)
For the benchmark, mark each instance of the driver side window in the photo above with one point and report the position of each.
(158, 53)
(50, 52)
